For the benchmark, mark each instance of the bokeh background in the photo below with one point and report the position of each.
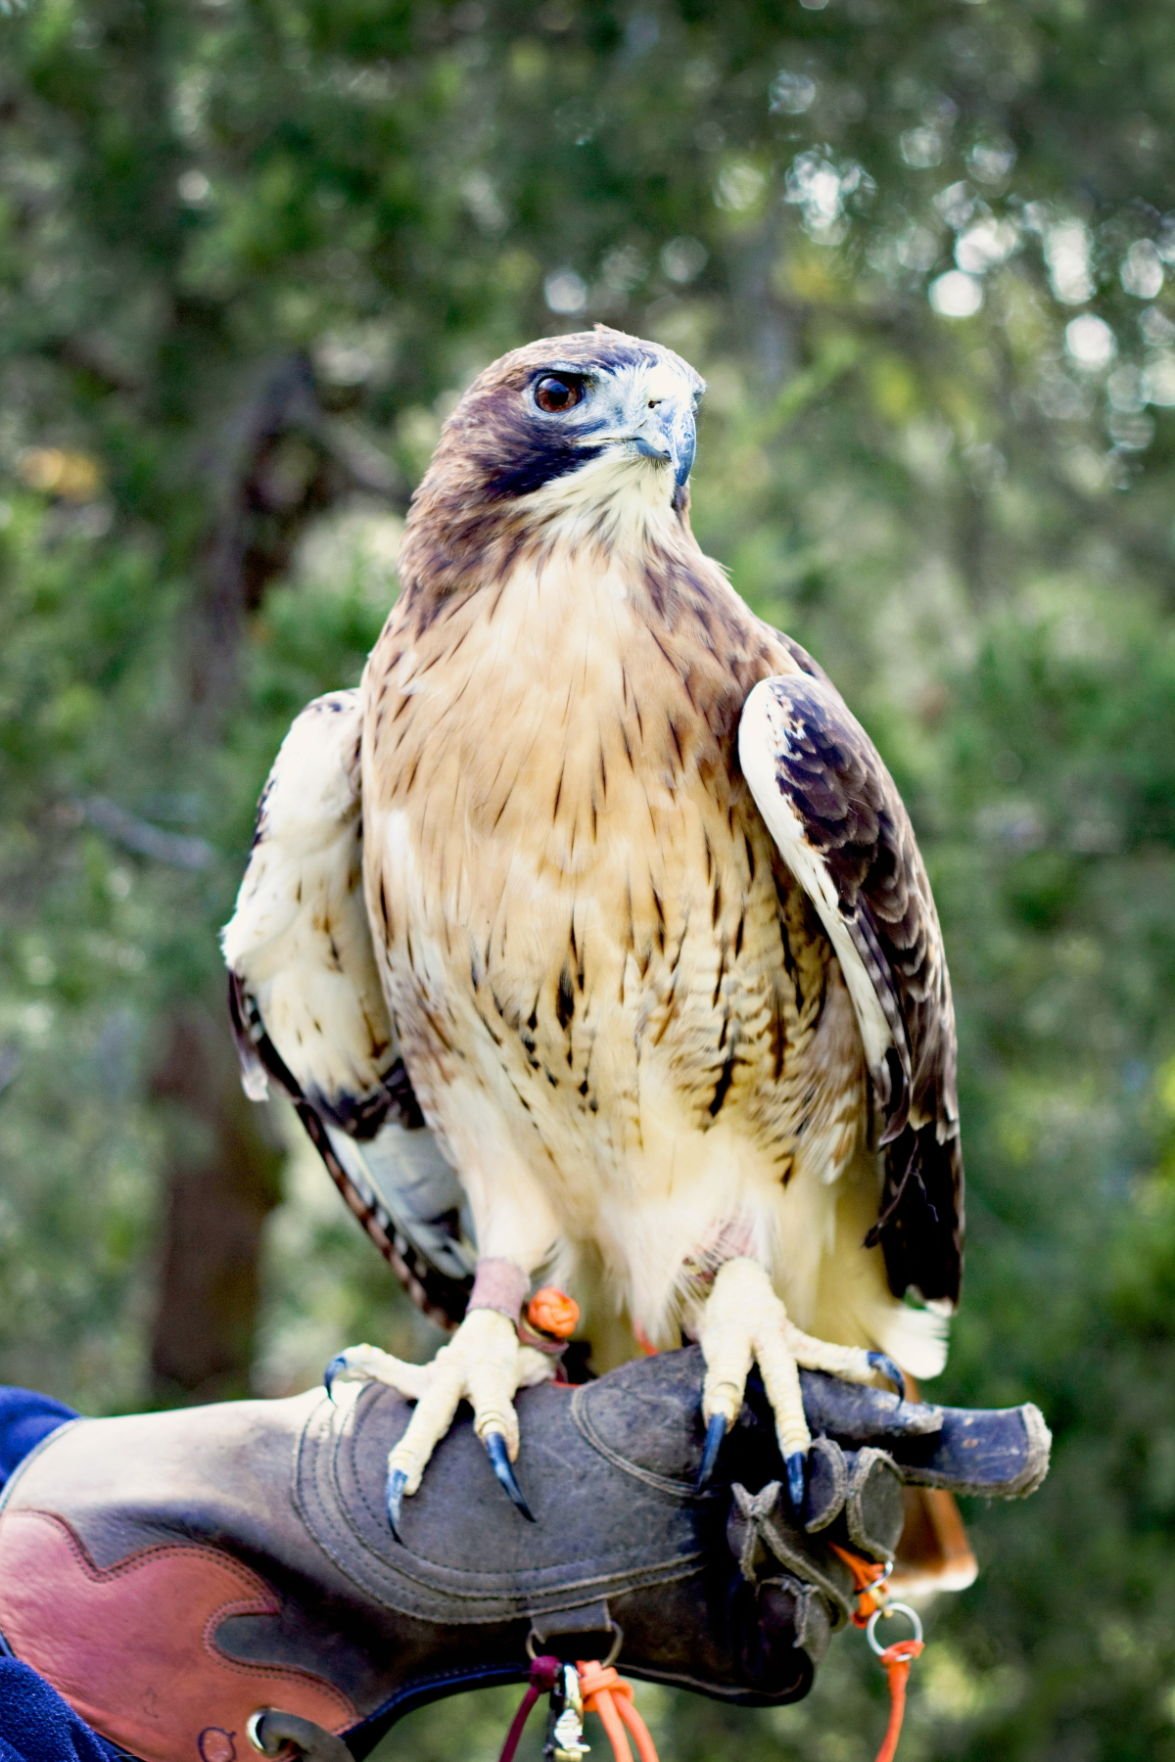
(250, 251)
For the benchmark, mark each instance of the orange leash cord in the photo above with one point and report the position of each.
(896, 1661)
(873, 1605)
(606, 1693)
(868, 1582)
(601, 1691)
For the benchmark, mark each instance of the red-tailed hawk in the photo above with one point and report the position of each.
(591, 937)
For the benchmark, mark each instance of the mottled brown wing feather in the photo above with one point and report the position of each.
(309, 1015)
(440, 1295)
(841, 825)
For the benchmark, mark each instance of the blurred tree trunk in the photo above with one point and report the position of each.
(223, 1172)
(223, 1179)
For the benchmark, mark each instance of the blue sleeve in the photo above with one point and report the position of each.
(36, 1725)
(26, 1418)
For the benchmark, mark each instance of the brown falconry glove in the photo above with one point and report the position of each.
(173, 1574)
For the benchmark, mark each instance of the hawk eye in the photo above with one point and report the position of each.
(556, 392)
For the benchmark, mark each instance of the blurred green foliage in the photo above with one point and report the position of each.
(923, 254)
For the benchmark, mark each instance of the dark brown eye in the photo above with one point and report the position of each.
(556, 392)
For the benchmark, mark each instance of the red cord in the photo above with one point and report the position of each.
(544, 1674)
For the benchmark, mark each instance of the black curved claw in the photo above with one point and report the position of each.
(715, 1432)
(797, 1480)
(495, 1449)
(337, 1363)
(882, 1362)
(394, 1498)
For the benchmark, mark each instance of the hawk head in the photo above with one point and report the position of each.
(599, 406)
(587, 425)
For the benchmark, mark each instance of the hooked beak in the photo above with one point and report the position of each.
(669, 433)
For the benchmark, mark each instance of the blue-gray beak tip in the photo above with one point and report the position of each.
(685, 446)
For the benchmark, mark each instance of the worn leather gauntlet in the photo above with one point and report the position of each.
(172, 1574)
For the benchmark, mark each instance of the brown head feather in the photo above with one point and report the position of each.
(469, 519)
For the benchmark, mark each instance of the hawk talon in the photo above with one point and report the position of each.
(881, 1361)
(394, 1499)
(495, 1449)
(716, 1430)
(337, 1363)
(796, 1467)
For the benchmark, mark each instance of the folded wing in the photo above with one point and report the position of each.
(309, 1015)
(841, 827)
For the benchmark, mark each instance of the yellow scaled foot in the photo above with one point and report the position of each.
(745, 1322)
(483, 1364)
